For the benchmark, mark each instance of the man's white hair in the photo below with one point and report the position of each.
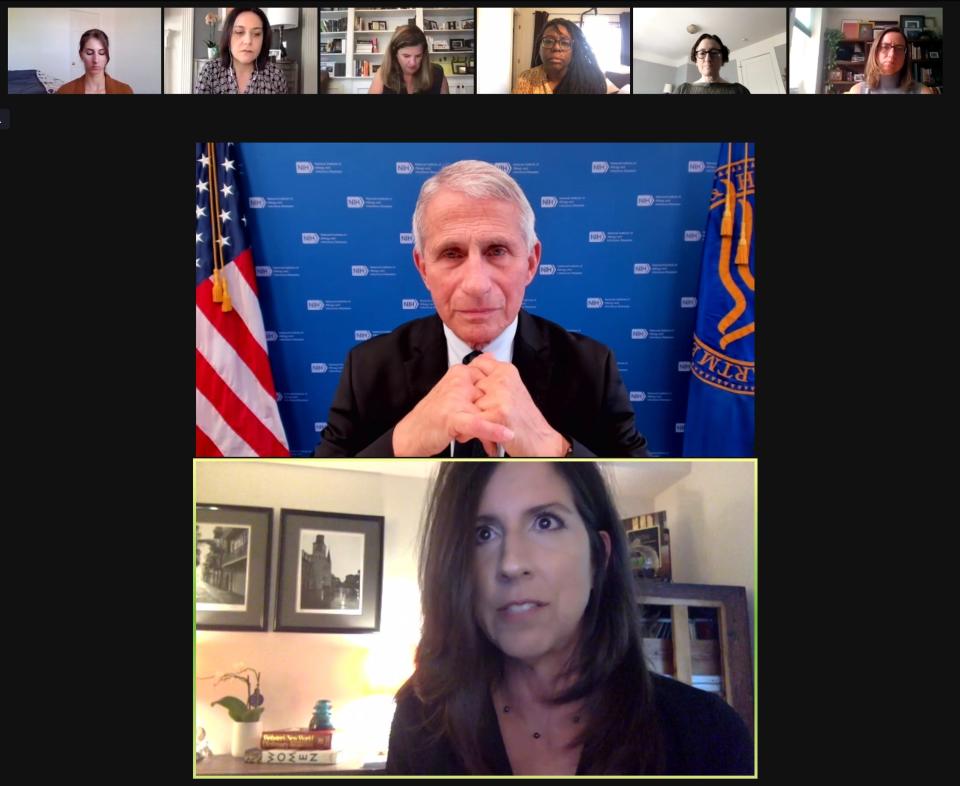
(478, 180)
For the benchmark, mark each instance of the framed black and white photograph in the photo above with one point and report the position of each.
(933, 54)
(456, 43)
(378, 25)
(453, 24)
(330, 572)
(430, 24)
(232, 566)
(912, 25)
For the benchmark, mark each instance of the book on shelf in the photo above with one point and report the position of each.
(287, 756)
(304, 739)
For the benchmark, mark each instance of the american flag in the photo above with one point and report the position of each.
(237, 411)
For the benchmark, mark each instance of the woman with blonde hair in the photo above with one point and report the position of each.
(406, 66)
(889, 68)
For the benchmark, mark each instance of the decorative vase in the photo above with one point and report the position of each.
(211, 52)
(245, 736)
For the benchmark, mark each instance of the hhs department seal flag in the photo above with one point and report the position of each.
(720, 405)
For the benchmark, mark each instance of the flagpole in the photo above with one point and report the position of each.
(219, 278)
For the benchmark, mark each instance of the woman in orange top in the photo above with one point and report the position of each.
(95, 54)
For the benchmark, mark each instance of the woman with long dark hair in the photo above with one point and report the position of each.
(94, 54)
(563, 63)
(243, 66)
(530, 658)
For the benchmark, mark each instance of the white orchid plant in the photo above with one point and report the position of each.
(240, 711)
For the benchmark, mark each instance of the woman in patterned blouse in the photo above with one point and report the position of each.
(243, 66)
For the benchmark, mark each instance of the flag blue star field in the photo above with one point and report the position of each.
(237, 412)
(720, 405)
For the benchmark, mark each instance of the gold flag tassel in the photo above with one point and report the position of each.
(218, 276)
(746, 228)
(730, 198)
(211, 175)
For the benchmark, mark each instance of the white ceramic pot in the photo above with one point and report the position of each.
(211, 52)
(245, 735)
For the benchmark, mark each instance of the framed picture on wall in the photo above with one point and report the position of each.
(330, 572)
(912, 25)
(232, 566)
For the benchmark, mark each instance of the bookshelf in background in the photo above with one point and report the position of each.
(850, 53)
(699, 634)
(353, 42)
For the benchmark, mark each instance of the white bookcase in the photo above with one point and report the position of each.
(451, 33)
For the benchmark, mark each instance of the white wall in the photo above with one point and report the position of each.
(806, 53)
(494, 50)
(40, 38)
(766, 46)
(711, 516)
(358, 672)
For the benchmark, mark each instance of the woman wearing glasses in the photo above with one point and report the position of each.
(563, 63)
(710, 55)
(888, 67)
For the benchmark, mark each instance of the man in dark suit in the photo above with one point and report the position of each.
(482, 376)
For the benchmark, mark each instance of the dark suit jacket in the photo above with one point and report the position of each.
(572, 379)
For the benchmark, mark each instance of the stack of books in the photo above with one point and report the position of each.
(297, 746)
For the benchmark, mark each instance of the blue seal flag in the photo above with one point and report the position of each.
(720, 405)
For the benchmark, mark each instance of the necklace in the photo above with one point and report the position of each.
(537, 735)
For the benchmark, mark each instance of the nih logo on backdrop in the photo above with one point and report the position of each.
(319, 426)
(257, 202)
(406, 238)
(644, 200)
(409, 303)
(271, 335)
(594, 302)
(361, 335)
(639, 333)
(309, 238)
(548, 201)
(683, 365)
(688, 302)
(597, 237)
(503, 166)
(599, 167)
(263, 271)
(641, 269)
(547, 270)
(404, 168)
(318, 368)
(359, 270)
(354, 201)
(315, 305)
(304, 168)
(696, 166)
(638, 395)
(692, 235)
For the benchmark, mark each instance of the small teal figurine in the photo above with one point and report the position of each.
(321, 715)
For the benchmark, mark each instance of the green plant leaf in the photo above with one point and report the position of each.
(236, 707)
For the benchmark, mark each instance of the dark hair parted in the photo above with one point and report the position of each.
(226, 57)
(457, 665)
(724, 52)
(583, 74)
(93, 32)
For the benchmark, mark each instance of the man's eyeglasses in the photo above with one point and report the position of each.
(563, 44)
(703, 54)
(898, 48)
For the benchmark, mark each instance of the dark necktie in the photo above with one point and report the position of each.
(472, 448)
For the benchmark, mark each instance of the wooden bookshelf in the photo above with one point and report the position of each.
(685, 657)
